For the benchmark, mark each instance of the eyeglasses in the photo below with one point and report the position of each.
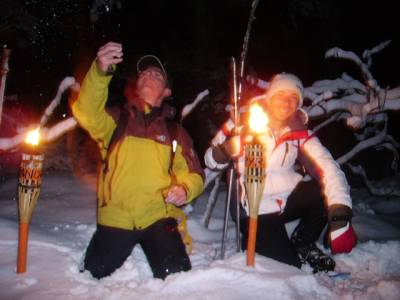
(153, 72)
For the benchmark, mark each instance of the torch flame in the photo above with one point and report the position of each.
(258, 119)
(33, 137)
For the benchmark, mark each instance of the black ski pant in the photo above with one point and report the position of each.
(161, 243)
(305, 203)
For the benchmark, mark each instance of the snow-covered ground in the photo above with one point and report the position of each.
(64, 220)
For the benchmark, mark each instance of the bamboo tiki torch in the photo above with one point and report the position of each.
(255, 175)
(28, 192)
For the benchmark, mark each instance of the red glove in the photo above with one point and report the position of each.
(342, 236)
(343, 240)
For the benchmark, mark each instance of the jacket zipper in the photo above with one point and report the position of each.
(286, 152)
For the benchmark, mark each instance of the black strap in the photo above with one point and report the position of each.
(119, 131)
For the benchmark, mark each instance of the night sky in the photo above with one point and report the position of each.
(51, 39)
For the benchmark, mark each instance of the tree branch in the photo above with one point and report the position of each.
(188, 108)
(367, 54)
(362, 146)
(376, 191)
(349, 55)
(66, 83)
(47, 135)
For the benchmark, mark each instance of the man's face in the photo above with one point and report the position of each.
(282, 105)
(151, 86)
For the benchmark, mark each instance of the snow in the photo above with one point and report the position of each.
(64, 221)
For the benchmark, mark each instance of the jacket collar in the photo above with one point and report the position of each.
(165, 111)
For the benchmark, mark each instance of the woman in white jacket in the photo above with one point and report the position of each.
(286, 197)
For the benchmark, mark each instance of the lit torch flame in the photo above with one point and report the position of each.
(258, 119)
(33, 137)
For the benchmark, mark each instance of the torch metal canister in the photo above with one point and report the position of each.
(255, 165)
(28, 193)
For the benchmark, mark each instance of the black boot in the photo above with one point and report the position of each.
(317, 259)
(310, 253)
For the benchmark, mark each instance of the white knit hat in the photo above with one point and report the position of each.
(285, 81)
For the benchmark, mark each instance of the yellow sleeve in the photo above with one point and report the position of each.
(89, 108)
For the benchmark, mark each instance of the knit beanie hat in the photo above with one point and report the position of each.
(285, 81)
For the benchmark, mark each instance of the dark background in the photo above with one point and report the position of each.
(51, 39)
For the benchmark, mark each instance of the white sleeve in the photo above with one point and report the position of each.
(210, 161)
(333, 180)
(218, 139)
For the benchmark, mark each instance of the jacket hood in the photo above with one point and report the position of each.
(285, 81)
(299, 120)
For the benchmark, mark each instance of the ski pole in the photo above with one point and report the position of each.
(226, 216)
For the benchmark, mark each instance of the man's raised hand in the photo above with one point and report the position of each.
(109, 54)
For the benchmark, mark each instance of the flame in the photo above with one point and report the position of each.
(258, 119)
(33, 137)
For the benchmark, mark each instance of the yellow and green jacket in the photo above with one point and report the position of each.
(138, 165)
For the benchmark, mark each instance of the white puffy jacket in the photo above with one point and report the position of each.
(281, 155)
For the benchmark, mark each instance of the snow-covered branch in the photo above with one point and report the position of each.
(328, 121)
(392, 148)
(47, 134)
(188, 108)
(367, 54)
(375, 140)
(7, 144)
(382, 190)
(66, 83)
(339, 53)
(51, 134)
(347, 94)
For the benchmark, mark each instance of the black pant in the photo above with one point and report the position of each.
(161, 242)
(306, 203)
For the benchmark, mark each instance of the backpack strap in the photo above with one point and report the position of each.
(118, 133)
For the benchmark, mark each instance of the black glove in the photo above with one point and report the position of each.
(342, 236)
(338, 216)
(230, 149)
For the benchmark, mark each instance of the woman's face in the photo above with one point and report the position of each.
(282, 105)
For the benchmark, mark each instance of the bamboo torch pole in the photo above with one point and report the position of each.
(28, 192)
(255, 175)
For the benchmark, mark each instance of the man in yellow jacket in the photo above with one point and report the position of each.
(150, 168)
